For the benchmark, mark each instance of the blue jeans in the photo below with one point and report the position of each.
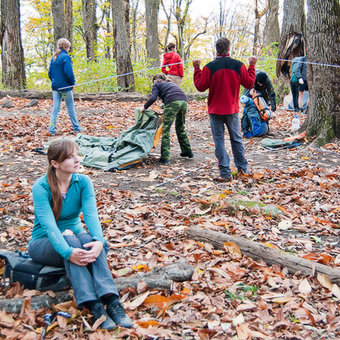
(217, 123)
(90, 282)
(68, 97)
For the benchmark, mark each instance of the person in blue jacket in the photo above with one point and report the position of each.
(61, 74)
(59, 239)
(298, 81)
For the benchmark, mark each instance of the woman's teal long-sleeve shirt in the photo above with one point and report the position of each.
(80, 198)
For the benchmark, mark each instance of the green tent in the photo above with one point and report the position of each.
(134, 144)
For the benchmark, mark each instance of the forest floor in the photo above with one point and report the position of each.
(145, 211)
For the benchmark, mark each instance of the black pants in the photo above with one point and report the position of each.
(295, 93)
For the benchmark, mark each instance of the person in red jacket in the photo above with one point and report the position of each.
(172, 65)
(223, 77)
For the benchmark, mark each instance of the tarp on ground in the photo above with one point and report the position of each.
(134, 144)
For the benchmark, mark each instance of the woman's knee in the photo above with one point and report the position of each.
(73, 241)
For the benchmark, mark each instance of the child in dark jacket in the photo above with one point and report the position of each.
(62, 77)
(175, 107)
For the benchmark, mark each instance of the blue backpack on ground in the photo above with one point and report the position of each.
(252, 124)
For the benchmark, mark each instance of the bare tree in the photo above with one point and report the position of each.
(258, 15)
(90, 27)
(152, 40)
(292, 40)
(120, 15)
(12, 54)
(271, 32)
(134, 13)
(181, 16)
(168, 14)
(323, 40)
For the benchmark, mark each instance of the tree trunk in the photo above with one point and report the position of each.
(269, 255)
(12, 54)
(134, 12)
(181, 20)
(59, 25)
(293, 26)
(323, 40)
(90, 27)
(271, 33)
(258, 16)
(69, 21)
(152, 40)
(125, 78)
(168, 24)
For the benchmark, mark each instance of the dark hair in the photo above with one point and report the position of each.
(159, 77)
(222, 46)
(170, 47)
(59, 150)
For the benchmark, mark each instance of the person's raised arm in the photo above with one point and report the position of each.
(201, 77)
(248, 76)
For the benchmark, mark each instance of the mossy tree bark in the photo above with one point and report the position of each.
(152, 40)
(121, 29)
(323, 40)
(12, 53)
(293, 29)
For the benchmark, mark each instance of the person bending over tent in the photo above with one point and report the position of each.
(58, 238)
(264, 87)
(175, 102)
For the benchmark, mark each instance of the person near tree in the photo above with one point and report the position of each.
(223, 77)
(61, 75)
(298, 82)
(175, 108)
(59, 238)
(172, 65)
(264, 86)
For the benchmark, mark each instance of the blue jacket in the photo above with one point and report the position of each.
(80, 198)
(301, 69)
(61, 72)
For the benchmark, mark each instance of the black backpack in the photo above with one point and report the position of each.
(19, 267)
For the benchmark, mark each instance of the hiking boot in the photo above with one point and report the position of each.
(117, 313)
(188, 154)
(163, 161)
(97, 310)
(222, 179)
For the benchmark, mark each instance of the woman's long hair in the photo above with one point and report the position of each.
(59, 150)
(170, 47)
(62, 44)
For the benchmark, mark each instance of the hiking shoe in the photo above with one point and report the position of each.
(117, 314)
(97, 310)
(222, 179)
(163, 161)
(188, 154)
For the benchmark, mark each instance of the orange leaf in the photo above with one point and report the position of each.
(147, 324)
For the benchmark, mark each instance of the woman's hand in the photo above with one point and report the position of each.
(78, 257)
(95, 249)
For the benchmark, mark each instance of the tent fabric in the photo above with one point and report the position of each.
(134, 144)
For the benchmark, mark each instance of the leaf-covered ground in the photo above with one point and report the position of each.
(289, 201)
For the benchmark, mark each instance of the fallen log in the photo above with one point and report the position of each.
(269, 255)
(159, 278)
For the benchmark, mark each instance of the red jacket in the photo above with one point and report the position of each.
(172, 58)
(223, 78)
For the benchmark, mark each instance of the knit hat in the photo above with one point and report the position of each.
(261, 77)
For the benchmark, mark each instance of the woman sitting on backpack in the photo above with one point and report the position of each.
(59, 239)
